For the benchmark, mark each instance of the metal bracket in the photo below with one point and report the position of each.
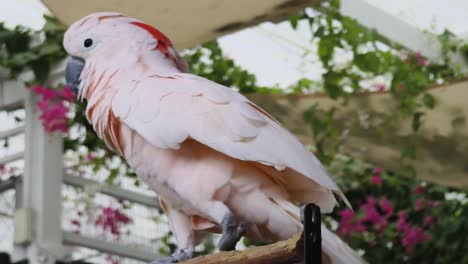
(311, 218)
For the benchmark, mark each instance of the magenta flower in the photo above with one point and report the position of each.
(53, 110)
(111, 220)
(371, 215)
(346, 214)
(370, 201)
(348, 223)
(412, 237)
(420, 189)
(378, 171)
(46, 93)
(66, 93)
(419, 205)
(402, 225)
(376, 180)
(386, 206)
(420, 60)
(380, 87)
(89, 157)
(433, 203)
(428, 221)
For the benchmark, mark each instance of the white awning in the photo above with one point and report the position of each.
(187, 23)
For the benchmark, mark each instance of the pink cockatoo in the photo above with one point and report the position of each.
(218, 162)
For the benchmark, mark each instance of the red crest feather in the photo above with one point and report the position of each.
(164, 45)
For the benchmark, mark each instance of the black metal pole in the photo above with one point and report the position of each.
(312, 234)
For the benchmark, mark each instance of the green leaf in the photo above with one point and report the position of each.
(326, 47)
(41, 69)
(332, 84)
(429, 101)
(409, 151)
(335, 4)
(352, 31)
(417, 121)
(311, 21)
(18, 41)
(368, 62)
(52, 25)
(294, 20)
(49, 49)
(23, 58)
(320, 32)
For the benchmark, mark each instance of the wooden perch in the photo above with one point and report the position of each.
(283, 252)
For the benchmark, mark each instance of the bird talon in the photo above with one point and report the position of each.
(242, 227)
(232, 233)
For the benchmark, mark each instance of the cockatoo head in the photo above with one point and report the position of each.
(107, 38)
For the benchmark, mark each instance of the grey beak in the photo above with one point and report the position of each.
(73, 71)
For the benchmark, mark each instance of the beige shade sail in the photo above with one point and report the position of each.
(187, 23)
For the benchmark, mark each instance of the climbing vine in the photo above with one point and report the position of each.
(397, 217)
(408, 73)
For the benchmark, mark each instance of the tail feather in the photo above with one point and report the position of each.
(335, 250)
(343, 198)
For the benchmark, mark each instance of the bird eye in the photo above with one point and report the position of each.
(88, 43)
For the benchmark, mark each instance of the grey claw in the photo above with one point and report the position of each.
(232, 233)
(242, 227)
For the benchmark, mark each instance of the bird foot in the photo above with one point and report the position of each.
(180, 255)
(232, 233)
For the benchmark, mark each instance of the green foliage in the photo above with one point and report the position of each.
(326, 134)
(294, 19)
(21, 49)
(411, 74)
(447, 240)
(372, 56)
(451, 45)
(209, 62)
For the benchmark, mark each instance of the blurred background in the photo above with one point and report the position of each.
(377, 88)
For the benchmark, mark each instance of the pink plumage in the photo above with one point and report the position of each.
(204, 148)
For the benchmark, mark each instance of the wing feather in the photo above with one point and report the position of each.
(168, 110)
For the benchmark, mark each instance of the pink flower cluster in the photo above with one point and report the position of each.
(7, 171)
(376, 215)
(376, 178)
(411, 235)
(112, 220)
(380, 87)
(52, 107)
(418, 58)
